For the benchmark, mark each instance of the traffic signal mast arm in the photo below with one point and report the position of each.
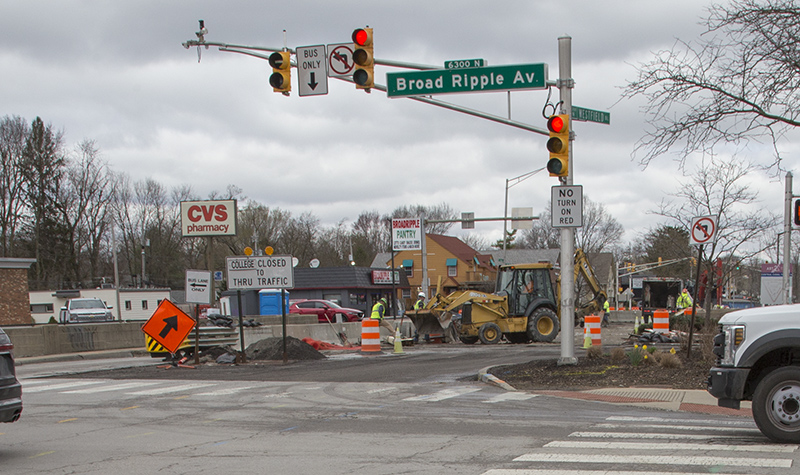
(243, 49)
(652, 265)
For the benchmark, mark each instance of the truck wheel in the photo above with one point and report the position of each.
(543, 325)
(776, 405)
(490, 334)
(468, 340)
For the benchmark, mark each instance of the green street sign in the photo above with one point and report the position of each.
(590, 115)
(453, 81)
(464, 63)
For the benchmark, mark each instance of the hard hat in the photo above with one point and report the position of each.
(422, 294)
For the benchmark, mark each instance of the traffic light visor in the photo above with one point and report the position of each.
(556, 145)
(279, 60)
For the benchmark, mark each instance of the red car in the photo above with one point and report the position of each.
(326, 311)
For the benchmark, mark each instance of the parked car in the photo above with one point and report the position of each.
(85, 310)
(325, 310)
(10, 389)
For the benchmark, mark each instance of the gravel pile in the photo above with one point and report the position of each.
(272, 349)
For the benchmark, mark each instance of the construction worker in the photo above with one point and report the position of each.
(420, 303)
(378, 312)
(684, 300)
(606, 309)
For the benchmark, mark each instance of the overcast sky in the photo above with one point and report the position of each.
(116, 73)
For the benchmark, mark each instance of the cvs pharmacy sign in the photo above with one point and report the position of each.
(208, 218)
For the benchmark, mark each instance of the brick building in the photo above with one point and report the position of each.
(15, 305)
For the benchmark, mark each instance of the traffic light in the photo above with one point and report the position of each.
(281, 79)
(558, 145)
(797, 212)
(364, 75)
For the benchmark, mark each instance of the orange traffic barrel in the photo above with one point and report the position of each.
(661, 321)
(592, 327)
(370, 335)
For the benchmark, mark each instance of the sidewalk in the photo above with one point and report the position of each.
(687, 400)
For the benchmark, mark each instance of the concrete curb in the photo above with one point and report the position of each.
(484, 376)
(88, 355)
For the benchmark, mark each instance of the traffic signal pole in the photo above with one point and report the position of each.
(565, 85)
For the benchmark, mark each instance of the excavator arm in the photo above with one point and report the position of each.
(582, 267)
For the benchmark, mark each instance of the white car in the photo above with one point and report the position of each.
(85, 310)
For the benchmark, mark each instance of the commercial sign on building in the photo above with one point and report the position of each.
(208, 218)
(385, 277)
(406, 234)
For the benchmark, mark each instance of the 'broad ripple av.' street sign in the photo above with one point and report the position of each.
(453, 81)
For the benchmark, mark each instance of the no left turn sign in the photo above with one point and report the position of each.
(704, 230)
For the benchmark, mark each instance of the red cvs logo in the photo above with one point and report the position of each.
(207, 213)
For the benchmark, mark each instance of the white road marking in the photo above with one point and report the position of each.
(169, 389)
(712, 422)
(510, 396)
(57, 386)
(443, 394)
(657, 460)
(645, 435)
(662, 426)
(659, 446)
(113, 387)
(225, 392)
(513, 471)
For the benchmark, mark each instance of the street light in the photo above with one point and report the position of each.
(517, 180)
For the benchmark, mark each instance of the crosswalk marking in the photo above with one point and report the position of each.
(646, 435)
(170, 389)
(682, 427)
(443, 394)
(523, 471)
(510, 396)
(112, 387)
(659, 446)
(57, 386)
(709, 422)
(657, 460)
(225, 392)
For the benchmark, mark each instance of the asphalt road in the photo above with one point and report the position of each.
(421, 412)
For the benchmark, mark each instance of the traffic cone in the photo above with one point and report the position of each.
(398, 342)
(587, 337)
(636, 325)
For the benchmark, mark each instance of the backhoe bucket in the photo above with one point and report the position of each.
(432, 326)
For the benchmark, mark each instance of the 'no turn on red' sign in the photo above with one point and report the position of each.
(704, 230)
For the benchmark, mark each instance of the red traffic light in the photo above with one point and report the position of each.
(361, 37)
(555, 124)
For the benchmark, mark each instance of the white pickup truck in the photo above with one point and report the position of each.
(758, 360)
(85, 310)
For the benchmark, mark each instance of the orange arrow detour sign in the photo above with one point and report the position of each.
(169, 326)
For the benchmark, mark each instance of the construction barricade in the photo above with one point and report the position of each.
(370, 335)
(591, 330)
(661, 321)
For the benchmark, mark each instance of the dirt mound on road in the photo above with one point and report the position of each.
(272, 349)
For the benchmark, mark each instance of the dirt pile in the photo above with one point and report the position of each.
(272, 349)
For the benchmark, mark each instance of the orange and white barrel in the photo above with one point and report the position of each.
(661, 321)
(592, 326)
(370, 335)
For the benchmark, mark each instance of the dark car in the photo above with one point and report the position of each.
(325, 310)
(10, 389)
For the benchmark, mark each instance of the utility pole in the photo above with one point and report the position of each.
(787, 233)
(565, 85)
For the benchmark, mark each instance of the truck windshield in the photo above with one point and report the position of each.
(81, 304)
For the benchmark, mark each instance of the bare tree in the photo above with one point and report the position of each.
(717, 189)
(438, 212)
(600, 231)
(14, 132)
(739, 83)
